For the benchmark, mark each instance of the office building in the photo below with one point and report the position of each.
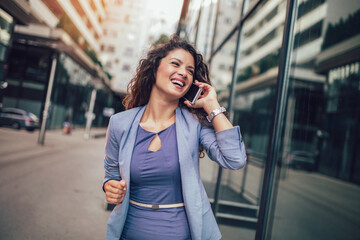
(294, 91)
(57, 40)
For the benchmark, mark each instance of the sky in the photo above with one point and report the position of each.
(171, 8)
(341, 9)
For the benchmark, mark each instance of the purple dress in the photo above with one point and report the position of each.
(155, 179)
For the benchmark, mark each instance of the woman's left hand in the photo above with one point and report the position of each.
(207, 100)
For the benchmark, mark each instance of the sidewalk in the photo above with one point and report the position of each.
(28, 147)
(63, 177)
(52, 191)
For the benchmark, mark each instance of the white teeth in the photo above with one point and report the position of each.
(178, 82)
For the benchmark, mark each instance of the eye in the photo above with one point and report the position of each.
(191, 72)
(175, 63)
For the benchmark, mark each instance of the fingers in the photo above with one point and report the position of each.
(187, 103)
(195, 105)
(202, 84)
(123, 184)
(207, 100)
(115, 191)
(114, 198)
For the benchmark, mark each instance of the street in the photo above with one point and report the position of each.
(54, 191)
(51, 191)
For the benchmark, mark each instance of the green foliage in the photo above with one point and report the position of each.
(68, 26)
(108, 75)
(266, 63)
(269, 61)
(245, 76)
(161, 40)
(93, 56)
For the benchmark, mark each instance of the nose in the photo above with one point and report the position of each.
(182, 72)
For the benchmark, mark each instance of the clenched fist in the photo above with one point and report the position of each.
(115, 191)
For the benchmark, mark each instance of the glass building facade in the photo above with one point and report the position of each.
(288, 72)
(28, 78)
(6, 29)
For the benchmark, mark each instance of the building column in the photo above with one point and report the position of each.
(90, 114)
(47, 101)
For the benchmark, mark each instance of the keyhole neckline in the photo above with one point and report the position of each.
(156, 133)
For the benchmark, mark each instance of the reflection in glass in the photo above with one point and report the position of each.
(192, 17)
(229, 12)
(6, 23)
(257, 71)
(318, 170)
(318, 192)
(249, 4)
(27, 78)
(221, 69)
(206, 29)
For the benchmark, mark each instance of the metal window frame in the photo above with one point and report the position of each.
(238, 26)
(271, 175)
(238, 29)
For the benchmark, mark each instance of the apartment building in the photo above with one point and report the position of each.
(130, 27)
(60, 39)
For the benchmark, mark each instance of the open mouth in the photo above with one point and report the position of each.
(178, 83)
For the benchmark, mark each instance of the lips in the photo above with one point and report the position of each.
(179, 83)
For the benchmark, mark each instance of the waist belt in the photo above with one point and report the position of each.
(157, 206)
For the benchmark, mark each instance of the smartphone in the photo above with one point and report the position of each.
(193, 93)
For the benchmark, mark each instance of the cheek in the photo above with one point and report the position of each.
(163, 70)
(191, 78)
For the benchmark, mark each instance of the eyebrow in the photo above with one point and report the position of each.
(182, 62)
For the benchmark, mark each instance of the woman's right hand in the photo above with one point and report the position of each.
(115, 191)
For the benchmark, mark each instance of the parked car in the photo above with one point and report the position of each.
(18, 118)
(301, 160)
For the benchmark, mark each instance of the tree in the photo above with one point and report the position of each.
(161, 40)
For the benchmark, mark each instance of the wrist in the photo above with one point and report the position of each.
(215, 113)
(210, 106)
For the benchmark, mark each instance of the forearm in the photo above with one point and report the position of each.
(225, 147)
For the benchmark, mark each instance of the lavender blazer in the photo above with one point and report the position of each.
(225, 147)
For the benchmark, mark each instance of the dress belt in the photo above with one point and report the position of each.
(157, 206)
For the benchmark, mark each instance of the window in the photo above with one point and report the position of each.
(232, 3)
(108, 64)
(111, 48)
(128, 52)
(307, 5)
(228, 21)
(310, 34)
(126, 67)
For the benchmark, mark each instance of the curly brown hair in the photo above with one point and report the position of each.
(139, 88)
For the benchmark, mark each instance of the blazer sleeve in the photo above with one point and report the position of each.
(111, 160)
(225, 147)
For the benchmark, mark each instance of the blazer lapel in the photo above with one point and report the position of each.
(117, 219)
(189, 177)
(127, 146)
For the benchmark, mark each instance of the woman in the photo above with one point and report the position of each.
(152, 149)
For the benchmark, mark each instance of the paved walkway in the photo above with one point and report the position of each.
(51, 191)
(54, 191)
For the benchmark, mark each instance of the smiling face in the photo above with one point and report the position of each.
(174, 75)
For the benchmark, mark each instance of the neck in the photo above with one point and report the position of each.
(159, 110)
